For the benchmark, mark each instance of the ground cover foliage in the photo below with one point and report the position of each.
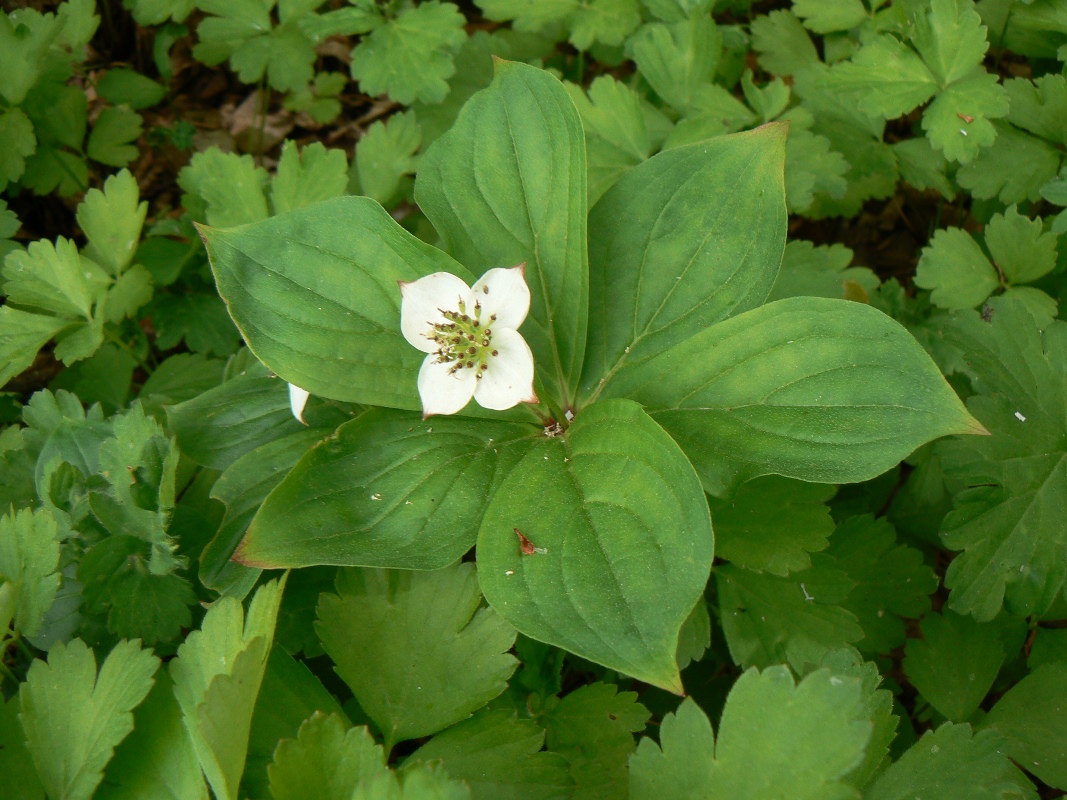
(786, 521)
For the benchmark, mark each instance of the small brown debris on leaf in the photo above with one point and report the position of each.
(527, 547)
(966, 118)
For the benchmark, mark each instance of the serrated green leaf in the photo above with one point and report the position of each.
(231, 186)
(1049, 646)
(217, 676)
(783, 45)
(811, 165)
(1020, 249)
(823, 271)
(74, 718)
(157, 761)
(654, 282)
(387, 490)
(128, 294)
(616, 133)
(625, 543)
(891, 580)
(112, 221)
(110, 141)
(809, 388)
(21, 335)
(24, 41)
(776, 740)
(116, 579)
(308, 176)
(958, 123)
(955, 268)
(799, 619)
(1012, 169)
(607, 22)
(155, 12)
(953, 666)
(414, 647)
(949, 36)
(593, 729)
(678, 60)
(886, 78)
(530, 208)
(949, 764)
(290, 694)
(138, 464)
(410, 57)
(1033, 716)
(384, 155)
(1007, 518)
(314, 292)
(771, 524)
(499, 756)
(29, 560)
(17, 142)
(1039, 106)
(331, 761)
(199, 319)
(828, 16)
(922, 166)
(53, 278)
(528, 15)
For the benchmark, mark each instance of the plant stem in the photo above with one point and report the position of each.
(114, 339)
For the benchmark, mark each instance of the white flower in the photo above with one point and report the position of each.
(297, 400)
(471, 335)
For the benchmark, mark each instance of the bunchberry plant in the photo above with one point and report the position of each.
(659, 372)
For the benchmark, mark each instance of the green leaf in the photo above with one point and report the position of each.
(289, 695)
(414, 647)
(230, 186)
(823, 271)
(330, 761)
(198, 319)
(955, 268)
(953, 666)
(131, 88)
(17, 142)
(29, 561)
(593, 727)
(950, 37)
(776, 740)
(314, 293)
(21, 335)
(958, 121)
(217, 676)
(24, 42)
(886, 78)
(387, 490)
(1007, 518)
(608, 22)
(811, 165)
(1033, 716)
(772, 524)
(308, 176)
(624, 538)
(104, 378)
(112, 221)
(219, 426)
(410, 57)
(74, 718)
(678, 60)
(616, 132)
(1039, 106)
(829, 16)
(821, 390)
(949, 764)
(891, 580)
(157, 760)
(110, 141)
(1012, 169)
(16, 765)
(138, 464)
(507, 185)
(528, 15)
(783, 45)
(53, 278)
(385, 155)
(922, 166)
(116, 579)
(656, 280)
(499, 756)
(1021, 251)
(128, 294)
(799, 619)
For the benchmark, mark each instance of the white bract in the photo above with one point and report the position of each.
(472, 338)
(297, 400)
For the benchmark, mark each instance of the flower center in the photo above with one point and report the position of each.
(465, 341)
